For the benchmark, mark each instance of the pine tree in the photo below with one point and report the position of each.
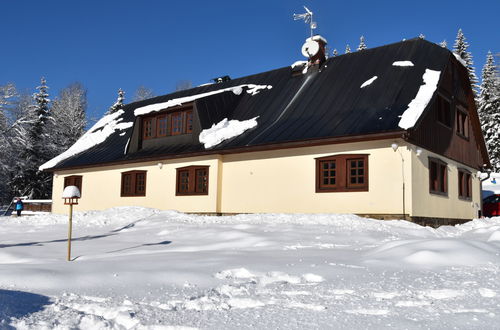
(461, 49)
(362, 45)
(443, 44)
(489, 109)
(28, 179)
(335, 52)
(347, 49)
(119, 102)
(421, 36)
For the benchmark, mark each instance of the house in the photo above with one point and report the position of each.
(389, 132)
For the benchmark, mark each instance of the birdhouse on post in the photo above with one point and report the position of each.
(71, 194)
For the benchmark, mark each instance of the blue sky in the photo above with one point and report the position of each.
(110, 44)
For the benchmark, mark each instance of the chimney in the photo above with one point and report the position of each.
(315, 50)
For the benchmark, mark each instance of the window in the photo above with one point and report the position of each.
(192, 180)
(438, 177)
(161, 125)
(443, 110)
(189, 121)
(464, 184)
(462, 123)
(148, 128)
(176, 123)
(133, 183)
(167, 124)
(74, 180)
(342, 173)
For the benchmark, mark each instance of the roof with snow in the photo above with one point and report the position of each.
(342, 99)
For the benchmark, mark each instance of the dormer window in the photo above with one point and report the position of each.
(167, 124)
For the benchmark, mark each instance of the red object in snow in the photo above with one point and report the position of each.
(491, 206)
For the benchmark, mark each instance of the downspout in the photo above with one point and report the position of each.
(488, 175)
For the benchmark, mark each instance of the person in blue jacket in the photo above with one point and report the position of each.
(19, 206)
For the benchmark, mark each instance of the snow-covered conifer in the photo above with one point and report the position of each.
(421, 36)
(444, 44)
(35, 149)
(347, 49)
(362, 44)
(460, 48)
(335, 52)
(489, 109)
(119, 102)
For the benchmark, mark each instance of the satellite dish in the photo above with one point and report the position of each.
(310, 48)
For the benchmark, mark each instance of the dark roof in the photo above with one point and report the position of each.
(325, 103)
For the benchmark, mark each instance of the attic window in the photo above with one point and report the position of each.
(462, 123)
(443, 110)
(167, 124)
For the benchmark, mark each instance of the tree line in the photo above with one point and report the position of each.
(35, 128)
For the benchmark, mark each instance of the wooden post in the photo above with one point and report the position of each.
(69, 230)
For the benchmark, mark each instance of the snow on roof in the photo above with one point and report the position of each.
(368, 82)
(317, 38)
(71, 192)
(460, 59)
(225, 130)
(403, 63)
(251, 89)
(298, 63)
(94, 136)
(423, 97)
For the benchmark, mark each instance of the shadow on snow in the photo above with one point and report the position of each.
(18, 304)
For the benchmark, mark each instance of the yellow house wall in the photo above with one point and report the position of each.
(426, 204)
(282, 181)
(285, 181)
(101, 187)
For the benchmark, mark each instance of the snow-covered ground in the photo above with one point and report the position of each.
(137, 268)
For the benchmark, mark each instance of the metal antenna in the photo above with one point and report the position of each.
(308, 19)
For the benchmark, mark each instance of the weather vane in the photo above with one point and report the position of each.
(308, 19)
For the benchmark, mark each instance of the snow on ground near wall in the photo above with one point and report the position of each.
(402, 63)
(96, 135)
(368, 82)
(138, 268)
(423, 97)
(225, 130)
(250, 89)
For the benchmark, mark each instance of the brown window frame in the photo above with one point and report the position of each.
(192, 186)
(341, 173)
(159, 132)
(464, 184)
(438, 181)
(137, 187)
(462, 123)
(147, 128)
(184, 124)
(74, 180)
(444, 111)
